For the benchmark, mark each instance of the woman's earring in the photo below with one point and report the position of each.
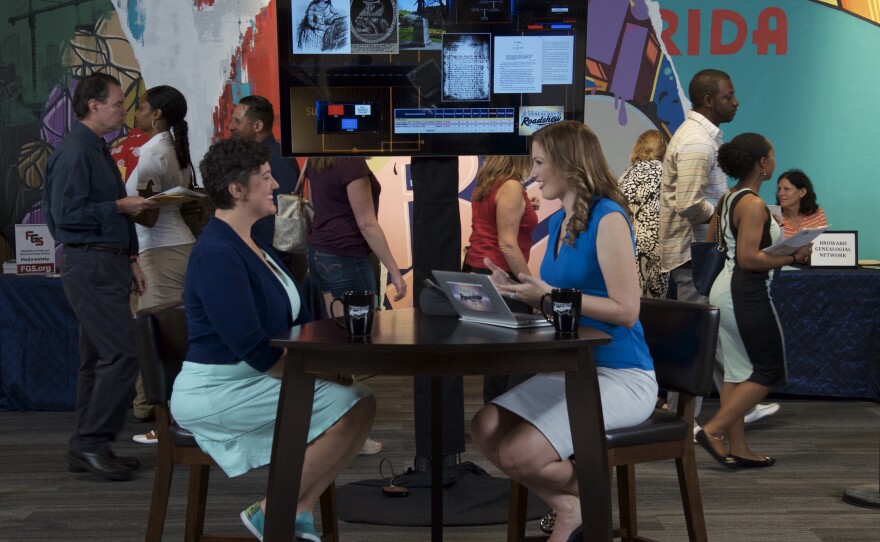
(763, 173)
(153, 124)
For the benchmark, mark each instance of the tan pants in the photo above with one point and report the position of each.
(165, 268)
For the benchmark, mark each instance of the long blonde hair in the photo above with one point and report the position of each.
(573, 150)
(501, 168)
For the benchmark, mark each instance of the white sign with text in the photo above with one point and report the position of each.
(34, 249)
(835, 249)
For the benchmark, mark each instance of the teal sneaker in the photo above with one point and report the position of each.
(305, 527)
(254, 520)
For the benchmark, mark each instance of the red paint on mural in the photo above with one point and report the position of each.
(202, 4)
(257, 56)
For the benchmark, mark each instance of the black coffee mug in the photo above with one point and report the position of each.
(357, 310)
(565, 309)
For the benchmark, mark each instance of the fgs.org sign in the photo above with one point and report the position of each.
(34, 249)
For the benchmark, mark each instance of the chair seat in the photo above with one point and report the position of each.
(662, 426)
(181, 437)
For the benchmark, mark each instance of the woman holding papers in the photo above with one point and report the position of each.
(750, 336)
(795, 195)
(164, 238)
(526, 431)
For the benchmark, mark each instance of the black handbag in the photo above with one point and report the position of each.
(708, 257)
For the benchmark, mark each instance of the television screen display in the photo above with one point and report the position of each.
(427, 77)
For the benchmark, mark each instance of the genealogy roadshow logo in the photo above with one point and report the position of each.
(532, 118)
(34, 238)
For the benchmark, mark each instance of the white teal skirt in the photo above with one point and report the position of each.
(231, 411)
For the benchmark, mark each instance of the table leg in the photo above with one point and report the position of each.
(288, 449)
(436, 458)
(588, 437)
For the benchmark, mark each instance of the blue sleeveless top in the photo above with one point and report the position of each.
(578, 267)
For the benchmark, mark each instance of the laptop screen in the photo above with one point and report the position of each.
(471, 297)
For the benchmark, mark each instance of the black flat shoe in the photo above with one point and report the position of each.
(103, 465)
(726, 460)
(746, 463)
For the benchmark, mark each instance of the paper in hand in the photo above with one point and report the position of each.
(787, 247)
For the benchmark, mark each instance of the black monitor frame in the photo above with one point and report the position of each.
(413, 91)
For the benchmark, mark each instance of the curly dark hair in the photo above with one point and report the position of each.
(799, 180)
(173, 106)
(230, 161)
(738, 157)
(94, 87)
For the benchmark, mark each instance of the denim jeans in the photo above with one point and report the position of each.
(339, 274)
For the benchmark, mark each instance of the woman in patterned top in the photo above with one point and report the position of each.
(640, 184)
(795, 195)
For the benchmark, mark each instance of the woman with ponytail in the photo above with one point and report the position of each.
(164, 238)
(750, 336)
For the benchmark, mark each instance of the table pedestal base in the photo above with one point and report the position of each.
(866, 496)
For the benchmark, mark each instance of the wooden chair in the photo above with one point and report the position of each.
(162, 342)
(681, 337)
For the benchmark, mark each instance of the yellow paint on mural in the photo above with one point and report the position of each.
(869, 9)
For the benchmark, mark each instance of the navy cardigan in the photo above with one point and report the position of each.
(234, 302)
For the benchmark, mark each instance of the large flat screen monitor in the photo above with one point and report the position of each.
(427, 77)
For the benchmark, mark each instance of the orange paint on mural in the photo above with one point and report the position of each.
(259, 69)
(869, 9)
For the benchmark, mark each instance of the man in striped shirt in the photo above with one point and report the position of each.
(692, 182)
(691, 185)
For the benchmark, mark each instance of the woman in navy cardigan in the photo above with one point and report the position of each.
(237, 295)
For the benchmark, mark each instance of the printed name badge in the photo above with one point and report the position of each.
(835, 249)
(34, 249)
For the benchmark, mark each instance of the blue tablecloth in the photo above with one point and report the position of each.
(830, 319)
(39, 345)
(831, 323)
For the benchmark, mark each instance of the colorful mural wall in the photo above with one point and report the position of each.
(803, 70)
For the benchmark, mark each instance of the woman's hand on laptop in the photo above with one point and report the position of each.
(529, 289)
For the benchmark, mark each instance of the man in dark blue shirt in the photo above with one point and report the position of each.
(253, 118)
(88, 211)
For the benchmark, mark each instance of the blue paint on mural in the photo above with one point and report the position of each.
(136, 20)
(669, 108)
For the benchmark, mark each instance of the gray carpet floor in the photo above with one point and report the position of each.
(822, 447)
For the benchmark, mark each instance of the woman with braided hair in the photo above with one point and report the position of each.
(164, 238)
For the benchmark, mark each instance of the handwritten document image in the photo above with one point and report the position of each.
(466, 67)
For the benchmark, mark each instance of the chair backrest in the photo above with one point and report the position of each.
(682, 338)
(162, 341)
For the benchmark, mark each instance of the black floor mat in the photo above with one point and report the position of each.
(470, 497)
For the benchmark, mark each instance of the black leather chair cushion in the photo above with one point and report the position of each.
(662, 426)
(181, 437)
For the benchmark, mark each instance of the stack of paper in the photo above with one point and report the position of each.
(175, 196)
(787, 247)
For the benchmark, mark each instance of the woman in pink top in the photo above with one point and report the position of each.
(795, 195)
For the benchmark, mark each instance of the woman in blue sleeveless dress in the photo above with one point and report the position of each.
(750, 335)
(525, 432)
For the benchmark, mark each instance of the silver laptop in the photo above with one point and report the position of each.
(476, 299)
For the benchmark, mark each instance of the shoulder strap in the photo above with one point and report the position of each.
(297, 190)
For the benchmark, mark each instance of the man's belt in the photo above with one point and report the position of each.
(109, 248)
